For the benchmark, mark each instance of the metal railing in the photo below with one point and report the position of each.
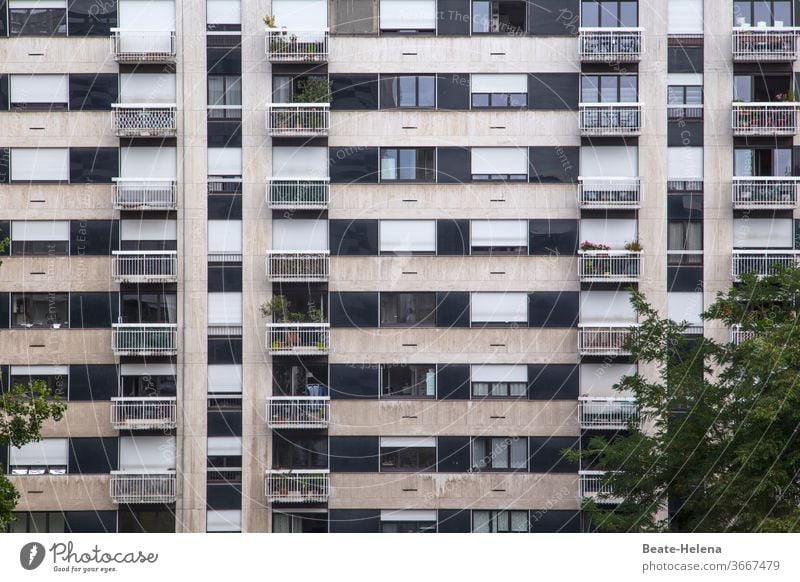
(598, 119)
(144, 119)
(779, 118)
(611, 192)
(607, 413)
(145, 193)
(225, 112)
(149, 413)
(297, 46)
(298, 411)
(144, 339)
(739, 335)
(761, 262)
(604, 339)
(622, 266)
(298, 119)
(143, 46)
(593, 487)
(298, 193)
(220, 185)
(768, 192)
(297, 486)
(144, 266)
(610, 44)
(143, 486)
(764, 44)
(298, 338)
(298, 265)
(688, 112)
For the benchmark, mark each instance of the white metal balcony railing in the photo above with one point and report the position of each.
(144, 266)
(144, 119)
(143, 46)
(297, 46)
(298, 193)
(298, 411)
(148, 413)
(604, 339)
(611, 44)
(779, 118)
(592, 487)
(761, 262)
(621, 266)
(607, 413)
(145, 193)
(688, 112)
(611, 192)
(298, 265)
(739, 335)
(298, 119)
(143, 486)
(764, 44)
(297, 486)
(298, 338)
(598, 119)
(144, 339)
(224, 111)
(768, 192)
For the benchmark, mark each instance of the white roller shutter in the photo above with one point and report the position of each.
(499, 161)
(225, 378)
(147, 88)
(499, 307)
(408, 442)
(40, 164)
(605, 307)
(684, 163)
(598, 379)
(224, 309)
(147, 453)
(230, 446)
(762, 233)
(408, 515)
(149, 369)
(299, 162)
(685, 307)
(687, 79)
(499, 373)
(150, 229)
(300, 14)
(224, 11)
(45, 452)
(684, 16)
(37, 4)
(499, 233)
(499, 83)
(224, 161)
(408, 14)
(139, 15)
(408, 236)
(38, 89)
(614, 232)
(148, 162)
(225, 236)
(40, 230)
(221, 520)
(609, 161)
(39, 370)
(300, 235)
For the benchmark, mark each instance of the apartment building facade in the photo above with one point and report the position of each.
(363, 266)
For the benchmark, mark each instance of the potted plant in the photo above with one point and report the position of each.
(633, 246)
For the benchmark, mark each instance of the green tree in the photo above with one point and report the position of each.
(720, 442)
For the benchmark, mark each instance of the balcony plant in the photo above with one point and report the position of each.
(633, 246)
(313, 90)
(591, 246)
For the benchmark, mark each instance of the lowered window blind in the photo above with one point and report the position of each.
(225, 378)
(148, 162)
(40, 230)
(762, 233)
(140, 15)
(299, 162)
(408, 14)
(149, 369)
(685, 307)
(147, 453)
(499, 373)
(218, 520)
(499, 307)
(599, 379)
(151, 229)
(40, 164)
(224, 11)
(229, 446)
(147, 88)
(300, 235)
(408, 515)
(37, 4)
(499, 233)
(45, 452)
(39, 370)
(500, 161)
(614, 232)
(602, 307)
(301, 14)
(687, 79)
(407, 442)
(224, 309)
(408, 235)
(609, 161)
(684, 163)
(499, 83)
(224, 161)
(38, 89)
(684, 16)
(225, 236)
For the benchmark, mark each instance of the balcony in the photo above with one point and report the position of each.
(145, 194)
(616, 45)
(298, 265)
(761, 262)
(297, 486)
(143, 487)
(764, 44)
(144, 339)
(297, 46)
(143, 46)
(767, 192)
(604, 340)
(592, 487)
(298, 119)
(150, 413)
(144, 119)
(770, 119)
(739, 335)
(609, 192)
(298, 411)
(298, 338)
(144, 266)
(610, 119)
(298, 193)
(609, 266)
(607, 413)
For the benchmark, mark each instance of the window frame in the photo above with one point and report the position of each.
(424, 179)
(384, 395)
(54, 297)
(428, 320)
(751, 11)
(385, 91)
(602, 8)
(28, 515)
(61, 26)
(598, 87)
(489, 455)
(401, 456)
(493, 517)
(510, 32)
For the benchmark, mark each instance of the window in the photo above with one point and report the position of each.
(609, 88)
(407, 237)
(499, 309)
(499, 381)
(408, 381)
(408, 521)
(685, 101)
(763, 233)
(224, 97)
(147, 453)
(501, 521)
(761, 88)
(499, 164)
(762, 162)
(770, 12)
(498, 17)
(408, 91)
(40, 237)
(299, 451)
(499, 91)
(408, 164)
(38, 92)
(40, 164)
(56, 377)
(37, 522)
(305, 379)
(47, 456)
(37, 17)
(147, 380)
(148, 234)
(40, 310)
(291, 89)
(133, 519)
(609, 13)
(408, 309)
(300, 522)
(408, 16)
(685, 17)
(499, 237)
(148, 307)
(685, 235)
(499, 453)
(408, 454)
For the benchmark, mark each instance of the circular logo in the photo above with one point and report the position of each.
(31, 555)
